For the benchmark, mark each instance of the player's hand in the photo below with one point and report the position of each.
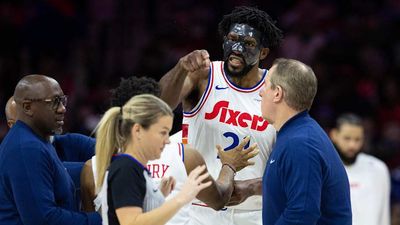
(167, 185)
(240, 192)
(238, 158)
(196, 60)
(193, 185)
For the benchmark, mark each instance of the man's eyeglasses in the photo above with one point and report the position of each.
(54, 102)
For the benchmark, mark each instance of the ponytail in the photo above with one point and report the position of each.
(108, 141)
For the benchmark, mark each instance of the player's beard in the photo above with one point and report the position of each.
(238, 74)
(346, 159)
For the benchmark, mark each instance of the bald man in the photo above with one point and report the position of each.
(71, 147)
(34, 186)
(10, 112)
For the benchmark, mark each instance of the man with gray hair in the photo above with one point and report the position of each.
(304, 181)
(35, 188)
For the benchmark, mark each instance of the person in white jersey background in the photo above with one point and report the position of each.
(368, 176)
(221, 104)
(176, 160)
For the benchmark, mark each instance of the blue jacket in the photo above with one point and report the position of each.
(34, 185)
(305, 181)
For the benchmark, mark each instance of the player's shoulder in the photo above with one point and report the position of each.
(172, 152)
(177, 137)
(372, 161)
(172, 146)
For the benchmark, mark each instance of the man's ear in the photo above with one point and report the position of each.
(10, 123)
(278, 94)
(264, 53)
(333, 134)
(27, 108)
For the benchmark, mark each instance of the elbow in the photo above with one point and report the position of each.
(216, 198)
(220, 202)
(216, 203)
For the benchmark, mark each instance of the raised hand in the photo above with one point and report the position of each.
(196, 60)
(238, 158)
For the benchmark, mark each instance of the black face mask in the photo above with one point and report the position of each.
(240, 48)
(345, 159)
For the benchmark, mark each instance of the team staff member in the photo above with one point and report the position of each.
(34, 186)
(71, 148)
(305, 181)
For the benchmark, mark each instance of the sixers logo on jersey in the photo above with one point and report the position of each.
(236, 118)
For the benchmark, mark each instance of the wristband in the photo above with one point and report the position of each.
(234, 171)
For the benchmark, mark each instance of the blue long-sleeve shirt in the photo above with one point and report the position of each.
(305, 181)
(72, 147)
(74, 150)
(34, 186)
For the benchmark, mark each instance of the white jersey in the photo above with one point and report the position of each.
(225, 115)
(369, 191)
(169, 164)
(177, 137)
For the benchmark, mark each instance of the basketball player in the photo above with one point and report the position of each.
(368, 176)
(221, 103)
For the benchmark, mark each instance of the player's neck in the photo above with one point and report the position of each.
(249, 80)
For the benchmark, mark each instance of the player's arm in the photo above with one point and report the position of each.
(185, 78)
(244, 189)
(218, 194)
(76, 147)
(87, 187)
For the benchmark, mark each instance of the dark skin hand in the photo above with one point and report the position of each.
(218, 194)
(244, 189)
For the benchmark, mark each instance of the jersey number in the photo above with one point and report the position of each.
(235, 141)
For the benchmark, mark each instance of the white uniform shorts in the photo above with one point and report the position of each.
(202, 215)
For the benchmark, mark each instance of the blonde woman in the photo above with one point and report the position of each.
(127, 138)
